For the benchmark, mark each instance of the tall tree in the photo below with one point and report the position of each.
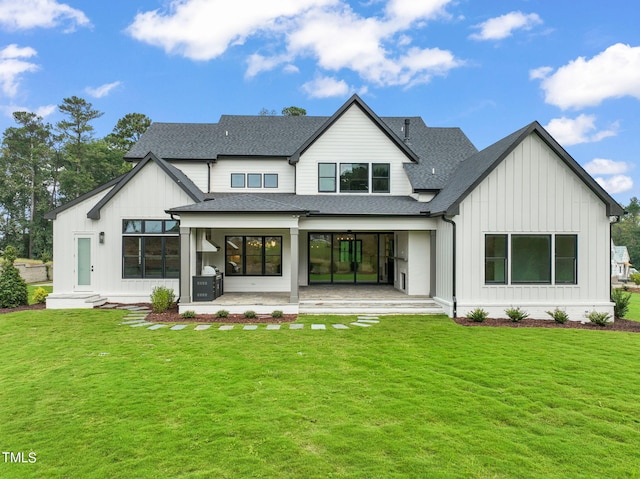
(128, 131)
(294, 111)
(26, 166)
(627, 231)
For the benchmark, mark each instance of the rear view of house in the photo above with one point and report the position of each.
(277, 204)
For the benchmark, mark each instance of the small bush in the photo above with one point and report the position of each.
(162, 298)
(516, 314)
(601, 319)
(188, 314)
(40, 295)
(621, 302)
(13, 289)
(478, 315)
(277, 314)
(559, 315)
(635, 277)
(223, 313)
(249, 314)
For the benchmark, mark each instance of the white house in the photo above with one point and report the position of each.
(279, 203)
(620, 263)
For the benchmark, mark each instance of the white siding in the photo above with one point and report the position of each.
(444, 269)
(353, 138)
(533, 191)
(197, 171)
(222, 169)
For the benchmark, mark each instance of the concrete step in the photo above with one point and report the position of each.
(427, 306)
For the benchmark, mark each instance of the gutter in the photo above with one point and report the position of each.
(453, 290)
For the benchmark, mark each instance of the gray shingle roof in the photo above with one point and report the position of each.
(314, 205)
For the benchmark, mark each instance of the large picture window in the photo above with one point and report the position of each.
(150, 249)
(528, 258)
(253, 255)
(354, 177)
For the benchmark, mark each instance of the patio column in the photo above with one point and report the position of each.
(294, 257)
(185, 260)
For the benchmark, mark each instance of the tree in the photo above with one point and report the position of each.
(627, 231)
(294, 111)
(13, 289)
(24, 196)
(128, 131)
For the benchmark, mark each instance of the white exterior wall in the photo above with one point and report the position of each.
(533, 191)
(353, 138)
(222, 169)
(146, 196)
(444, 266)
(413, 260)
(196, 171)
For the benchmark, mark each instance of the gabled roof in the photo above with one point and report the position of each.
(53, 214)
(476, 168)
(355, 100)
(174, 173)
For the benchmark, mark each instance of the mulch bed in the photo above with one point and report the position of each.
(173, 317)
(618, 325)
(22, 308)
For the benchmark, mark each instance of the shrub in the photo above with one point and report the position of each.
(277, 314)
(249, 314)
(601, 319)
(635, 277)
(516, 314)
(621, 302)
(162, 299)
(188, 314)
(223, 313)
(478, 315)
(559, 315)
(13, 289)
(40, 295)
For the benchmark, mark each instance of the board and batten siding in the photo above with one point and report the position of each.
(533, 191)
(444, 266)
(221, 174)
(353, 138)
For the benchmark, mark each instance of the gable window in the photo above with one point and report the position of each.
(327, 177)
(354, 177)
(529, 259)
(150, 249)
(254, 180)
(237, 180)
(253, 255)
(380, 178)
(270, 180)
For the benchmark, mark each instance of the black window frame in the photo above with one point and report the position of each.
(344, 181)
(326, 177)
(573, 258)
(253, 176)
(236, 264)
(147, 238)
(378, 178)
(238, 175)
(491, 258)
(270, 175)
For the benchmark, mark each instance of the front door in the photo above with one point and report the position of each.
(83, 263)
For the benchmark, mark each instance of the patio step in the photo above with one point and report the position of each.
(426, 306)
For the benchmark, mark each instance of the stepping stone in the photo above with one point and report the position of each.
(144, 323)
(364, 325)
(178, 327)
(136, 316)
(226, 327)
(126, 308)
(156, 326)
(107, 306)
(273, 327)
(296, 326)
(367, 317)
(202, 327)
(133, 321)
(340, 326)
(370, 321)
(250, 327)
(318, 326)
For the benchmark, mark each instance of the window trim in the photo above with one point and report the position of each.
(254, 176)
(365, 190)
(237, 175)
(504, 258)
(264, 180)
(168, 232)
(333, 177)
(373, 177)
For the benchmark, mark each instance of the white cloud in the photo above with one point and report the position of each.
(602, 166)
(102, 90)
(323, 87)
(46, 110)
(613, 73)
(616, 184)
(42, 111)
(540, 73)
(571, 131)
(26, 14)
(12, 66)
(375, 47)
(503, 26)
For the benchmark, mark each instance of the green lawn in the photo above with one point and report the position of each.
(413, 396)
(634, 307)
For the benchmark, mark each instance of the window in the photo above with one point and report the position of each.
(354, 177)
(495, 259)
(327, 177)
(150, 249)
(254, 180)
(253, 255)
(529, 259)
(270, 180)
(237, 180)
(380, 178)
(566, 259)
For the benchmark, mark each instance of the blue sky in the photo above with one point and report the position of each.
(486, 66)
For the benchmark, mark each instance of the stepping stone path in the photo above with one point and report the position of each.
(137, 317)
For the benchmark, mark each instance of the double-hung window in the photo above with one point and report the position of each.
(531, 259)
(150, 249)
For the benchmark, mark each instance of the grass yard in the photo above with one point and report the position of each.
(413, 396)
(634, 307)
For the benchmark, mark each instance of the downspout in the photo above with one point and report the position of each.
(453, 290)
